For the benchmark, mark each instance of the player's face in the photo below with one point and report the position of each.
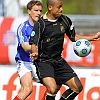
(35, 12)
(57, 9)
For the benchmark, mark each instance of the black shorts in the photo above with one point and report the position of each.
(59, 70)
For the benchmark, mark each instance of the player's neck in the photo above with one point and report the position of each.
(50, 16)
(32, 22)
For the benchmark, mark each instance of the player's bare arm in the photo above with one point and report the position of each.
(26, 46)
(89, 38)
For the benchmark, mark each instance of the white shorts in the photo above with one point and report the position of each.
(24, 67)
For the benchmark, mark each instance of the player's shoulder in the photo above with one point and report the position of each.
(23, 25)
(65, 17)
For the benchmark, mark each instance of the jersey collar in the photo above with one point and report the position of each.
(45, 17)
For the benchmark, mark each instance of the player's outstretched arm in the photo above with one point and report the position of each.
(89, 38)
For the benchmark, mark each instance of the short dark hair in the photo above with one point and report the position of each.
(50, 2)
(32, 3)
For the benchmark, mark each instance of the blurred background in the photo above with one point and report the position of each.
(85, 16)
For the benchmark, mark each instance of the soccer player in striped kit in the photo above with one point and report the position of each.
(25, 67)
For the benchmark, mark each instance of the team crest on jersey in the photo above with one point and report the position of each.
(62, 29)
(33, 33)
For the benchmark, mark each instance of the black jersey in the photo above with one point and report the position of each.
(49, 36)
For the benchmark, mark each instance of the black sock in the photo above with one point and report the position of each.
(50, 96)
(68, 95)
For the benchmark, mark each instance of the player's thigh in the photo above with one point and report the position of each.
(49, 81)
(50, 84)
(26, 79)
(74, 83)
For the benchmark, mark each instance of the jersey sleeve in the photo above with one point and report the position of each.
(70, 32)
(35, 35)
(21, 34)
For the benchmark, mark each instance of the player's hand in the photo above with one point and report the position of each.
(97, 36)
(34, 56)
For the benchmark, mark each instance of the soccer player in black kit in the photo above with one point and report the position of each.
(47, 45)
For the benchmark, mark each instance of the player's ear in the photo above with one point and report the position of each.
(29, 11)
(49, 7)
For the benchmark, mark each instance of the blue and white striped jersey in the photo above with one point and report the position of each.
(23, 33)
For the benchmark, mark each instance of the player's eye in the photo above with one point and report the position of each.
(40, 10)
